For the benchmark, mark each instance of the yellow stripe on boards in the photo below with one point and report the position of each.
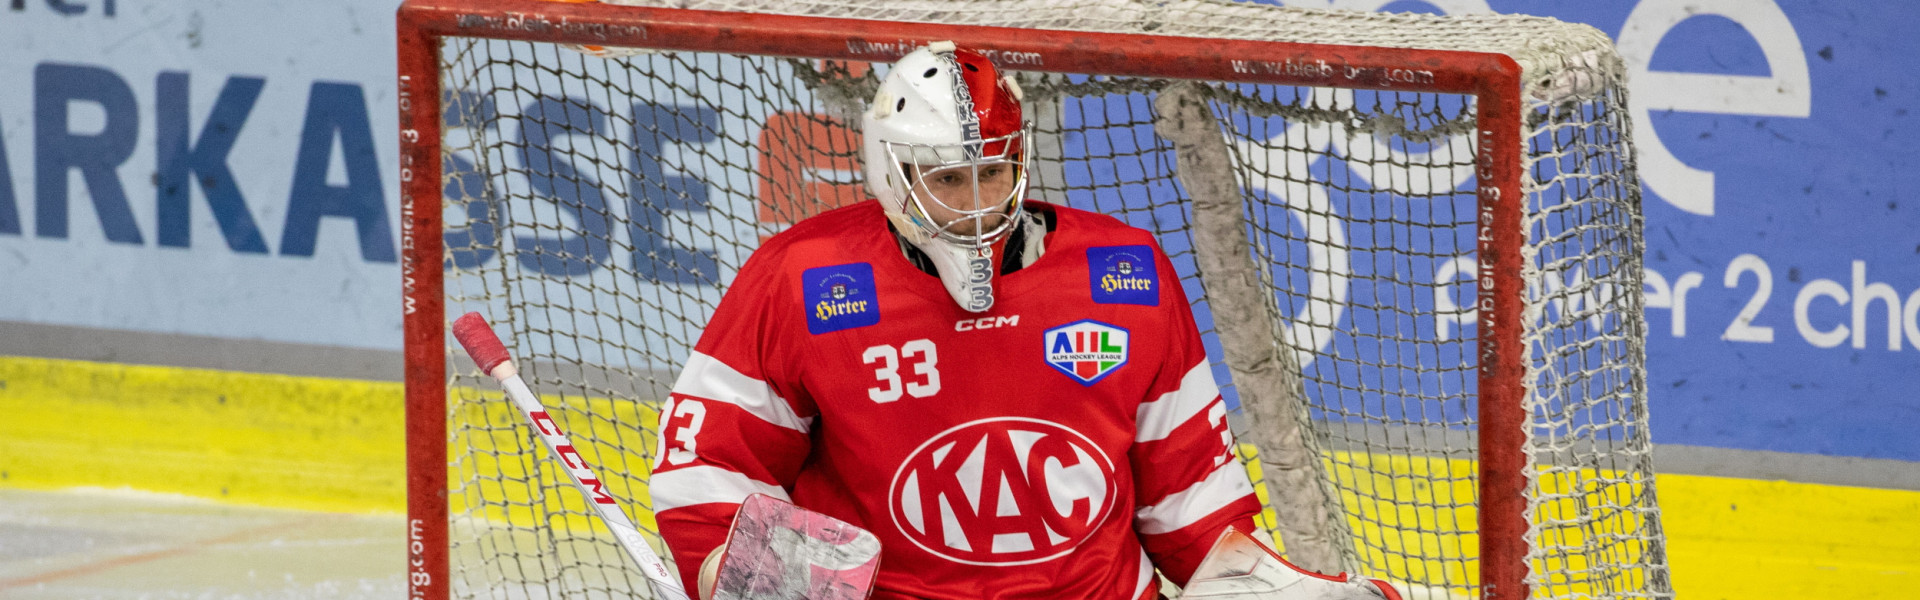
(1726, 538)
(1736, 539)
(272, 440)
(293, 442)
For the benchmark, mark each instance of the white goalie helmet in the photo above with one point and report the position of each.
(946, 154)
(943, 108)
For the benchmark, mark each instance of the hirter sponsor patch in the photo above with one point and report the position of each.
(840, 297)
(1086, 350)
(1123, 275)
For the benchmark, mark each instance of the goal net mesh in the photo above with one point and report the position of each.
(596, 209)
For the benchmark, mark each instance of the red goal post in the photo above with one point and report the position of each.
(1506, 306)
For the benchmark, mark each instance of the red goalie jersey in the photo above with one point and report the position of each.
(1061, 445)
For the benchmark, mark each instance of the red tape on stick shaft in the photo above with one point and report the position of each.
(478, 338)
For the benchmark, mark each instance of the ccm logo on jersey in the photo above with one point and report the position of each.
(1123, 275)
(987, 323)
(1086, 350)
(840, 297)
(1003, 491)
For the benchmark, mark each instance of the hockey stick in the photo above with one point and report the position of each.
(491, 355)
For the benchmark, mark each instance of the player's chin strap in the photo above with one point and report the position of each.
(968, 272)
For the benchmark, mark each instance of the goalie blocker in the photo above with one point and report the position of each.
(778, 551)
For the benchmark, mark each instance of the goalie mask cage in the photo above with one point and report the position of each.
(1412, 243)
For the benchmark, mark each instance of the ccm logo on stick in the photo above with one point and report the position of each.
(986, 323)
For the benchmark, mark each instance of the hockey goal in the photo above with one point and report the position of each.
(1412, 242)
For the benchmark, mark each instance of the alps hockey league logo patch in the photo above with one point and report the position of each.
(1123, 275)
(1086, 350)
(840, 297)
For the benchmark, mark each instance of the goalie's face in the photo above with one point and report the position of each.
(971, 203)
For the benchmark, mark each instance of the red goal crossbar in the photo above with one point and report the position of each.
(1493, 79)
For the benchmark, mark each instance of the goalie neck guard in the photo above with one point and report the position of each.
(946, 154)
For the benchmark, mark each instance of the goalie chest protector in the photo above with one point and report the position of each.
(992, 450)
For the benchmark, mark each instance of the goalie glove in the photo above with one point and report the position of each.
(1239, 568)
(778, 551)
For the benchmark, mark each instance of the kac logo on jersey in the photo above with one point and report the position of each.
(1123, 275)
(840, 297)
(1086, 350)
(1003, 491)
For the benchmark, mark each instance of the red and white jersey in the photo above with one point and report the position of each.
(1062, 444)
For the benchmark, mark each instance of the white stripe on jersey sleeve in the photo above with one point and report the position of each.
(707, 378)
(705, 485)
(1157, 419)
(1146, 575)
(1185, 507)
